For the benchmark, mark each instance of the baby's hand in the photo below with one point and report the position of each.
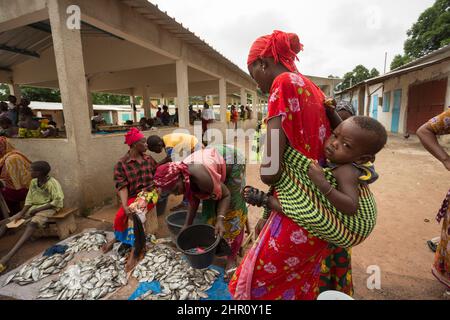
(316, 174)
(330, 105)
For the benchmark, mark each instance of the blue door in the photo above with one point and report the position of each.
(396, 110)
(375, 107)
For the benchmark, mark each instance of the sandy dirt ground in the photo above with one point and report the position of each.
(409, 192)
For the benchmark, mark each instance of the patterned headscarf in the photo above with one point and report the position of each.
(133, 136)
(345, 106)
(167, 175)
(281, 46)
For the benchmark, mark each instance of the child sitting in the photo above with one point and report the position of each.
(44, 200)
(350, 151)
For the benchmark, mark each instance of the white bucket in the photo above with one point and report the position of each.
(334, 295)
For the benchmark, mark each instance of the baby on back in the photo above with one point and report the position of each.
(350, 151)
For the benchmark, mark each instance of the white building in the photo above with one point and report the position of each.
(405, 98)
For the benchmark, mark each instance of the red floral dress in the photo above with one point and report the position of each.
(287, 262)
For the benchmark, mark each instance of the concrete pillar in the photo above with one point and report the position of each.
(14, 90)
(133, 106)
(146, 102)
(182, 93)
(254, 100)
(90, 104)
(115, 117)
(223, 99)
(74, 95)
(243, 97)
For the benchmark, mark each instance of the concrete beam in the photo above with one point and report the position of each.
(223, 100)
(19, 13)
(6, 76)
(126, 23)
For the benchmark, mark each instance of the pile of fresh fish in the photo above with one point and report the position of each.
(88, 241)
(178, 280)
(40, 268)
(87, 280)
(43, 267)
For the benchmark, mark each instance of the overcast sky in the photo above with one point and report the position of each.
(337, 34)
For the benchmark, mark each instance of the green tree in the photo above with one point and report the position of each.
(374, 73)
(358, 75)
(399, 61)
(41, 94)
(430, 32)
(111, 99)
(4, 92)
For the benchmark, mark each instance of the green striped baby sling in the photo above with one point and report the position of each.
(303, 202)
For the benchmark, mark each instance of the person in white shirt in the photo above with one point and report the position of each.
(207, 117)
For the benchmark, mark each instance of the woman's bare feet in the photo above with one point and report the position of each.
(107, 247)
(230, 269)
(132, 262)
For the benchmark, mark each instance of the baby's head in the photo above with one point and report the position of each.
(357, 139)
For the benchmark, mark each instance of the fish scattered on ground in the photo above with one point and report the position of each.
(43, 267)
(90, 279)
(178, 280)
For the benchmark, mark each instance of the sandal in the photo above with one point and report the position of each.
(432, 245)
(255, 197)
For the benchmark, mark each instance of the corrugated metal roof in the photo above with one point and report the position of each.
(425, 57)
(23, 38)
(34, 39)
(162, 19)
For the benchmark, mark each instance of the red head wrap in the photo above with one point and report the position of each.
(281, 46)
(133, 136)
(167, 175)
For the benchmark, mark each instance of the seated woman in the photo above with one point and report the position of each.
(132, 175)
(28, 127)
(15, 175)
(44, 200)
(7, 128)
(215, 175)
(49, 130)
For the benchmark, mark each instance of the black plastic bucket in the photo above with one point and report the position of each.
(201, 235)
(175, 221)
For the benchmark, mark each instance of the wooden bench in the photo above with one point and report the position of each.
(61, 225)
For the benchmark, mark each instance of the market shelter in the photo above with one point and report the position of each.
(121, 47)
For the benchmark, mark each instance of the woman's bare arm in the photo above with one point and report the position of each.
(276, 140)
(430, 142)
(346, 197)
(192, 211)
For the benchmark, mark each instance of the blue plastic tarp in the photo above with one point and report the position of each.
(218, 291)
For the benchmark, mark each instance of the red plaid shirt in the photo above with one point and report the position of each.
(134, 175)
